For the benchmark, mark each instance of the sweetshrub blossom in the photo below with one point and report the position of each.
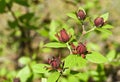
(99, 21)
(81, 14)
(79, 49)
(63, 36)
(55, 62)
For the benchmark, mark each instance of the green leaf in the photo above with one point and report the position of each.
(3, 71)
(92, 46)
(53, 77)
(71, 31)
(111, 55)
(96, 57)
(80, 8)
(22, 2)
(24, 60)
(40, 68)
(12, 24)
(53, 26)
(26, 17)
(24, 74)
(80, 62)
(74, 61)
(2, 6)
(43, 32)
(63, 79)
(70, 61)
(7, 1)
(72, 78)
(55, 45)
(83, 76)
(105, 31)
(72, 15)
(107, 26)
(105, 16)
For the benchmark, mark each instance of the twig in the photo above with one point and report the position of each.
(90, 30)
(85, 32)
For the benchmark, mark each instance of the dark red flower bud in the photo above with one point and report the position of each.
(99, 21)
(63, 36)
(81, 48)
(16, 80)
(81, 14)
(54, 62)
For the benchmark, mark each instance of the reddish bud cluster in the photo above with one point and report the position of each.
(63, 36)
(55, 62)
(80, 49)
(99, 21)
(81, 14)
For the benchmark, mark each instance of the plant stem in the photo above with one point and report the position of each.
(90, 30)
(68, 46)
(83, 32)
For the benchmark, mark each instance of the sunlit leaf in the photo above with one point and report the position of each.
(71, 31)
(103, 30)
(81, 62)
(43, 32)
(107, 26)
(40, 68)
(24, 74)
(72, 15)
(83, 76)
(80, 8)
(55, 45)
(74, 61)
(24, 60)
(111, 55)
(72, 78)
(105, 16)
(92, 46)
(53, 77)
(53, 25)
(70, 61)
(96, 57)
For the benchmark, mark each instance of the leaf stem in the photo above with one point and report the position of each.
(90, 30)
(85, 32)
(68, 46)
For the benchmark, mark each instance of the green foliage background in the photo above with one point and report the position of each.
(27, 25)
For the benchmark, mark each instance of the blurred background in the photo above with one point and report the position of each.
(26, 25)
